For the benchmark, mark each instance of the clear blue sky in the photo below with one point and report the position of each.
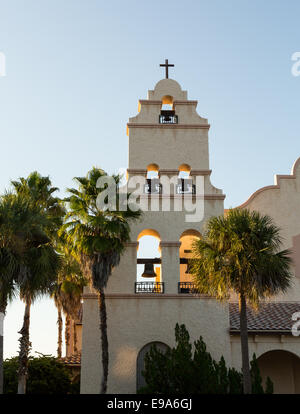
(76, 69)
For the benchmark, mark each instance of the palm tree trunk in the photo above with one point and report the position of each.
(244, 345)
(25, 346)
(104, 340)
(67, 333)
(75, 350)
(60, 327)
(2, 314)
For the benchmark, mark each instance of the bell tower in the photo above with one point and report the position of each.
(168, 143)
(168, 137)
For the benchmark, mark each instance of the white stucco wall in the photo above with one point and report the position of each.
(134, 321)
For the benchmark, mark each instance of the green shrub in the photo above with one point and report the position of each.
(46, 375)
(179, 370)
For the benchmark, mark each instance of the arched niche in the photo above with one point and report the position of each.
(140, 363)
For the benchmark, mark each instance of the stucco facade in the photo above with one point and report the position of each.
(281, 201)
(137, 319)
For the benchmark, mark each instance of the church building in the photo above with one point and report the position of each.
(147, 296)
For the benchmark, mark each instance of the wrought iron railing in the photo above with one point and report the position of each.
(168, 117)
(149, 287)
(187, 287)
(153, 186)
(186, 189)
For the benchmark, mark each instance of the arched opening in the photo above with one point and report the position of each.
(283, 368)
(167, 102)
(140, 363)
(152, 170)
(184, 170)
(187, 239)
(153, 185)
(167, 113)
(148, 275)
(185, 182)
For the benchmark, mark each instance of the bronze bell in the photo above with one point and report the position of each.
(149, 270)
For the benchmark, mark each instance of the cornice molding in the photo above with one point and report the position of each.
(132, 244)
(149, 102)
(194, 103)
(200, 172)
(176, 244)
(169, 126)
(184, 196)
(141, 171)
(167, 171)
(157, 102)
(148, 296)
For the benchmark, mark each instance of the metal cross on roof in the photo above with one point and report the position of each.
(167, 65)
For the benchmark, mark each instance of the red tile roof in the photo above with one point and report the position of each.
(72, 360)
(271, 317)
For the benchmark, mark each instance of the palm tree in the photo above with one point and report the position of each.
(16, 217)
(69, 299)
(240, 253)
(39, 191)
(98, 239)
(67, 294)
(41, 265)
(72, 290)
(57, 301)
(41, 261)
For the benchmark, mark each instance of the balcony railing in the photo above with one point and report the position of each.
(153, 186)
(185, 186)
(187, 287)
(149, 287)
(168, 117)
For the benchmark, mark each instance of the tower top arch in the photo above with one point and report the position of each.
(167, 87)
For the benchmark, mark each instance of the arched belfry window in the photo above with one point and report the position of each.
(185, 182)
(149, 277)
(153, 185)
(167, 114)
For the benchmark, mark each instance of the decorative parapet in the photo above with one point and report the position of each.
(277, 179)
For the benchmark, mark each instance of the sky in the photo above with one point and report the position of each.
(76, 69)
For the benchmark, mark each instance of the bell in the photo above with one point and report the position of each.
(149, 270)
